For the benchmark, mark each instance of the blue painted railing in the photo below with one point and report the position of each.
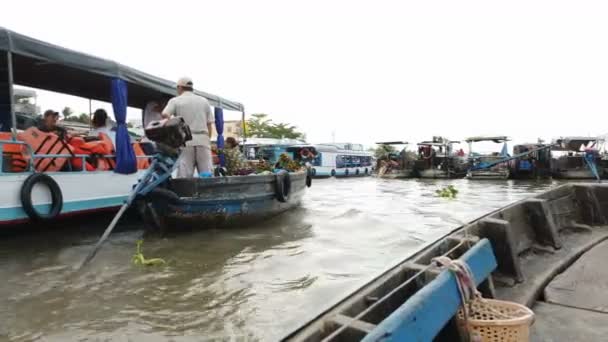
(424, 314)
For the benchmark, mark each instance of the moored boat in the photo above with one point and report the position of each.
(536, 165)
(578, 158)
(437, 159)
(488, 165)
(394, 165)
(545, 253)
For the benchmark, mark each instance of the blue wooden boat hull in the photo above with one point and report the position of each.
(228, 201)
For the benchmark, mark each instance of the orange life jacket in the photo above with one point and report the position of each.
(98, 150)
(45, 143)
(14, 154)
(109, 161)
(142, 163)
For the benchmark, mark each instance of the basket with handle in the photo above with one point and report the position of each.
(486, 320)
(491, 320)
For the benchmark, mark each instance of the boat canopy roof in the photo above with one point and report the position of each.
(272, 142)
(573, 143)
(46, 66)
(393, 143)
(496, 138)
(432, 143)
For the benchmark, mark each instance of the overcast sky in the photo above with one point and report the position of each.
(374, 70)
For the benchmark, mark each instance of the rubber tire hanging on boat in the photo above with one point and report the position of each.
(282, 186)
(26, 197)
(309, 175)
(333, 173)
(346, 172)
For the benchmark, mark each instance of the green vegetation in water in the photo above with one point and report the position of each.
(447, 192)
(139, 259)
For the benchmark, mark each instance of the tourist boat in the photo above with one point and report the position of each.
(578, 158)
(29, 62)
(394, 165)
(488, 165)
(341, 160)
(437, 159)
(535, 165)
(546, 253)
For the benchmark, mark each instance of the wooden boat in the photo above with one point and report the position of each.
(547, 252)
(533, 166)
(569, 162)
(224, 201)
(477, 161)
(438, 160)
(394, 165)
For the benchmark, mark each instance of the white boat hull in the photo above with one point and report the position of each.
(81, 191)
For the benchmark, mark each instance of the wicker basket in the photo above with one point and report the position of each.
(493, 320)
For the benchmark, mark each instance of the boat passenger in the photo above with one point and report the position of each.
(49, 124)
(100, 125)
(196, 112)
(234, 158)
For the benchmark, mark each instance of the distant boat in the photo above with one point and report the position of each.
(478, 162)
(341, 160)
(437, 159)
(395, 165)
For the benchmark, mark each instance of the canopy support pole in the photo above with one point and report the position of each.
(244, 124)
(90, 114)
(9, 57)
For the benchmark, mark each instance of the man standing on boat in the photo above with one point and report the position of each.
(196, 112)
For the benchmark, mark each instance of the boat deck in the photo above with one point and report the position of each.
(575, 302)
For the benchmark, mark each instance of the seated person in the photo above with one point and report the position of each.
(49, 124)
(233, 156)
(100, 125)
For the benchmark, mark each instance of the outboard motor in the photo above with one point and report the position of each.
(169, 134)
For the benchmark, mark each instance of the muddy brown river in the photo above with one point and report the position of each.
(247, 283)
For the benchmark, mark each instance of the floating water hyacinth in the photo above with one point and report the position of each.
(139, 259)
(447, 192)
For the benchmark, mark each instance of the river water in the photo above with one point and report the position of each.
(249, 283)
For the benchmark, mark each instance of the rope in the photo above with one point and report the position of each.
(466, 286)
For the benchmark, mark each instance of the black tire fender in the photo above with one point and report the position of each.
(357, 172)
(346, 172)
(333, 173)
(366, 171)
(26, 197)
(309, 175)
(282, 186)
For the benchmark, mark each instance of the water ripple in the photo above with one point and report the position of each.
(253, 283)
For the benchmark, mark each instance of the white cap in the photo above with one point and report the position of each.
(185, 82)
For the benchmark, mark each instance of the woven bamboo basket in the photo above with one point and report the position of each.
(493, 320)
